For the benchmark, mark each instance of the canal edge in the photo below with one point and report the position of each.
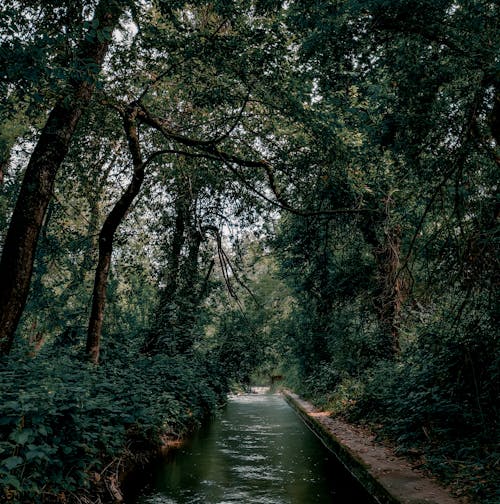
(389, 479)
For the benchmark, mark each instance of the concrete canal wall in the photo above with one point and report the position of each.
(390, 479)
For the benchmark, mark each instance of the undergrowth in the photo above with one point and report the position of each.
(437, 405)
(64, 422)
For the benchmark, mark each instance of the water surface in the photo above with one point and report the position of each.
(257, 451)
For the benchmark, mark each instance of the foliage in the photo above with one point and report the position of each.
(246, 340)
(321, 201)
(64, 420)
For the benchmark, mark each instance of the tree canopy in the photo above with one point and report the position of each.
(211, 193)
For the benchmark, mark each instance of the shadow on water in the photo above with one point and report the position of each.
(257, 451)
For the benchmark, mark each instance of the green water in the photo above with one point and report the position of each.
(257, 451)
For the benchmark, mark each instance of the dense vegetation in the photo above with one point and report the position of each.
(197, 194)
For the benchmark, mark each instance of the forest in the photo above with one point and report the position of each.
(200, 195)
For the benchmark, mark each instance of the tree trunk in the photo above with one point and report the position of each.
(188, 295)
(16, 265)
(152, 341)
(390, 292)
(106, 237)
(172, 331)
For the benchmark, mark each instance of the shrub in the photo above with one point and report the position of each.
(63, 420)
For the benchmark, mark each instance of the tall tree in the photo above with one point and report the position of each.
(18, 253)
(108, 230)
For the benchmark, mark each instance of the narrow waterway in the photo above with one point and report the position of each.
(257, 451)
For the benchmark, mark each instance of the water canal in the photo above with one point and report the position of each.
(257, 451)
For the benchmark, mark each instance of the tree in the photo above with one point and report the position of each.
(185, 281)
(107, 233)
(18, 252)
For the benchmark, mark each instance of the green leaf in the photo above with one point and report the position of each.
(12, 462)
(32, 454)
(12, 481)
(21, 437)
(42, 429)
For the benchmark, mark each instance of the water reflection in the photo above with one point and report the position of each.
(259, 451)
